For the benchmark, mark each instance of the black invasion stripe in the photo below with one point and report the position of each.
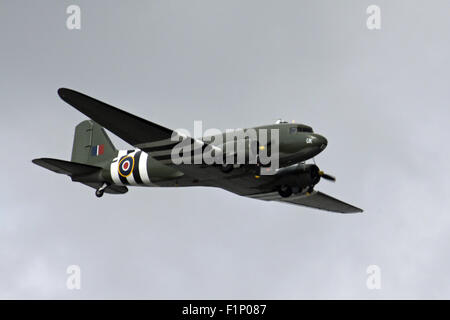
(136, 174)
(123, 179)
(160, 148)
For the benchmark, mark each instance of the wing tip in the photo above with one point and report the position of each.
(38, 161)
(353, 210)
(64, 92)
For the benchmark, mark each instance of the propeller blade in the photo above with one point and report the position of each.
(327, 176)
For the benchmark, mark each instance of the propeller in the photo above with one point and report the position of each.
(324, 175)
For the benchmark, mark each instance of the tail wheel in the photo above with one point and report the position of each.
(285, 191)
(99, 192)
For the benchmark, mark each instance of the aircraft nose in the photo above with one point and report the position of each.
(320, 141)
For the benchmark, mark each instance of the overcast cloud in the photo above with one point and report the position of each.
(380, 97)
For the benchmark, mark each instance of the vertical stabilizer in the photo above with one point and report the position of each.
(91, 145)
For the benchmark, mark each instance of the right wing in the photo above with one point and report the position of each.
(317, 200)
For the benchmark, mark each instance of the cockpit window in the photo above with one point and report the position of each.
(300, 129)
(304, 129)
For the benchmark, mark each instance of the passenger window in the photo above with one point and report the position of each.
(292, 130)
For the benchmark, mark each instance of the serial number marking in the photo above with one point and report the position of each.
(246, 309)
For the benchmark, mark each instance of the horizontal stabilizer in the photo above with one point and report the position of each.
(66, 167)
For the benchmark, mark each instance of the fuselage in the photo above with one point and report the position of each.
(296, 144)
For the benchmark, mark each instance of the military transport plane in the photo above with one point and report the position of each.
(96, 163)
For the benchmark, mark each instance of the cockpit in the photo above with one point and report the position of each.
(300, 128)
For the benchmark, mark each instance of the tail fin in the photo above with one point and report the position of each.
(91, 145)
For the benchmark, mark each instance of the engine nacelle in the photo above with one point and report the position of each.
(297, 177)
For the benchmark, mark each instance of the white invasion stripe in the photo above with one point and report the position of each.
(143, 168)
(130, 178)
(115, 168)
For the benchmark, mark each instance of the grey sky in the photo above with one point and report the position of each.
(380, 97)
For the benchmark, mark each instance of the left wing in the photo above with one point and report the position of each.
(317, 200)
(143, 134)
(132, 129)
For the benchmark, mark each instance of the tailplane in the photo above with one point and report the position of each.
(69, 168)
(88, 175)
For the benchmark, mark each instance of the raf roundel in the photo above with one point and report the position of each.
(126, 166)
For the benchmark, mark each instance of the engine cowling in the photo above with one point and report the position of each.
(296, 178)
